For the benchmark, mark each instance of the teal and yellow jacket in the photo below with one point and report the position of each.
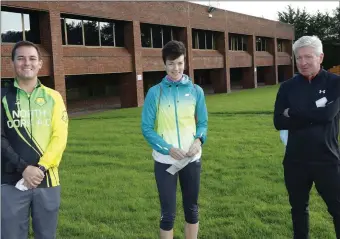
(34, 131)
(174, 115)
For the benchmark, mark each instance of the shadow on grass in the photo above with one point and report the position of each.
(266, 112)
(104, 118)
(211, 113)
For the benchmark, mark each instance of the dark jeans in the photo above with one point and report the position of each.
(299, 179)
(189, 178)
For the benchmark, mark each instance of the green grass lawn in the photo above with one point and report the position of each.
(109, 191)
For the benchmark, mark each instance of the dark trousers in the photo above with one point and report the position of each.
(299, 179)
(189, 178)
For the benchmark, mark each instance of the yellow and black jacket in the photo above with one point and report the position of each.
(34, 131)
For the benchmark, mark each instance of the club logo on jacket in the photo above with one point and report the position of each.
(322, 91)
(64, 116)
(40, 101)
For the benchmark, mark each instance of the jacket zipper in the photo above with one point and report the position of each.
(176, 117)
(30, 111)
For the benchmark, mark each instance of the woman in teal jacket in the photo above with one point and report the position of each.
(174, 123)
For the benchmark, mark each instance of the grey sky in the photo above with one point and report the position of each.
(269, 9)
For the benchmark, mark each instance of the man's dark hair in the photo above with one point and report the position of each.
(172, 50)
(24, 43)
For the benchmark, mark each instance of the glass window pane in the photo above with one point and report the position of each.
(194, 39)
(245, 44)
(32, 30)
(209, 36)
(145, 35)
(201, 39)
(166, 34)
(106, 33)
(27, 24)
(157, 36)
(62, 24)
(91, 32)
(258, 44)
(11, 27)
(214, 39)
(119, 33)
(74, 32)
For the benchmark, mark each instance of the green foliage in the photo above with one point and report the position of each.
(325, 25)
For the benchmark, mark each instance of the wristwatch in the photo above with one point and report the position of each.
(42, 168)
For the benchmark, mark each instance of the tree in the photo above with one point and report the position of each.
(336, 24)
(323, 25)
(300, 20)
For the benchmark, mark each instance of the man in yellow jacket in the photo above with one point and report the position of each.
(33, 138)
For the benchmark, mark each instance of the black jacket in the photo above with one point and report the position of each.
(313, 131)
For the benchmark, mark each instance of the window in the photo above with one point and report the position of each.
(155, 36)
(195, 44)
(202, 39)
(16, 26)
(238, 42)
(74, 31)
(146, 35)
(62, 24)
(92, 32)
(244, 43)
(209, 40)
(167, 34)
(261, 44)
(119, 34)
(280, 46)
(106, 33)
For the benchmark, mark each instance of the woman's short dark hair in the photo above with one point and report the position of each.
(172, 50)
(24, 43)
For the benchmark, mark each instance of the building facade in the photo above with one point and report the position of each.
(108, 54)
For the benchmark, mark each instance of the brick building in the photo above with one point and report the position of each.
(108, 54)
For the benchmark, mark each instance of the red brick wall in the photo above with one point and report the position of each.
(283, 58)
(54, 33)
(239, 59)
(263, 58)
(152, 59)
(207, 59)
(60, 60)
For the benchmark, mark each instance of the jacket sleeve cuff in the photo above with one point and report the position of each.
(201, 138)
(22, 165)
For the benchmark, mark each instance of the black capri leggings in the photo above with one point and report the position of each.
(189, 178)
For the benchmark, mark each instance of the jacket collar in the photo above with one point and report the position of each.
(184, 81)
(16, 85)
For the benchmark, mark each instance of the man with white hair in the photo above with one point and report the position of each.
(308, 105)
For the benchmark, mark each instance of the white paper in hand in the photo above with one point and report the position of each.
(321, 102)
(179, 165)
(284, 136)
(20, 185)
